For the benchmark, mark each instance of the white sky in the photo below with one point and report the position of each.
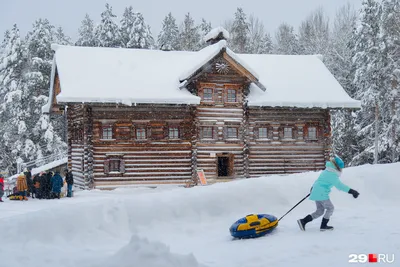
(69, 13)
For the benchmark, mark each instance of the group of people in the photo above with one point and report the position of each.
(44, 185)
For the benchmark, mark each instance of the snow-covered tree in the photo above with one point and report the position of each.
(61, 38)
(287, 42)
(107, 32)
(189, 34)
(339, 62)
(239, 32)
(314, 34)
(140, 34)
(259, 41)
(127, 23)
(87, 33)
(205, 27)
(369, 66)
(168, 38)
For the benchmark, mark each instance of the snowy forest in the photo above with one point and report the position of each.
(360, 47)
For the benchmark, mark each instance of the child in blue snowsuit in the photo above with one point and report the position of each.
(320, 193)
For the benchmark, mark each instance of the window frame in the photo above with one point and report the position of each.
(230, 127)
(316, 133)
(140, 127)
(103, 127)
(259, 133)
(203, 94)
(174, 127)
(212, 132)
(114, 161)
(284, 133)
(228, 94)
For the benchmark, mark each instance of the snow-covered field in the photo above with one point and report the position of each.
(182, 227)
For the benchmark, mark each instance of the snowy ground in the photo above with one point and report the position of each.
(171, 227)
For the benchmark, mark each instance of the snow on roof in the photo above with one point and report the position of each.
(129, 76)
(296, 81)
(215, 32)
(48, 166)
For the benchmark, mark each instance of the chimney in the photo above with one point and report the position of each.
(216, 35)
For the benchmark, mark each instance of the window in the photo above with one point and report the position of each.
(262, 133)
(115, 165)
(107, 132)
(140, 133)
(232, 132)
(287, 133)
(207, 132)
(231, 95)
(173, 133)
(208, 94)
(312, 133)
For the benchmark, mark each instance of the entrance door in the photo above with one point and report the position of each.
(225, 165)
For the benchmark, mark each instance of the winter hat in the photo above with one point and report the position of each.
(339, 163)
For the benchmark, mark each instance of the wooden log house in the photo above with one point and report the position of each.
(139, 116)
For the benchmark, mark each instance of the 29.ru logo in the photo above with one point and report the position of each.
(364, 258)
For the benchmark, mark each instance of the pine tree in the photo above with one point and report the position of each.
(259, 42)
(240, 32)
(140, 35)
(205, 27)
(41, 137)
(13, 109)
(339, 62)
(127, 23)
(314, 34)
(287, 42)
(107, 32)
(391, 37)
(189, 34)
(87, 33)
(168, 38)
(369, 69)
(61, 38)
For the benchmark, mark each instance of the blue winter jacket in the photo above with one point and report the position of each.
(56, 183)
(327, 179)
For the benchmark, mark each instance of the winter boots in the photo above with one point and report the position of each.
(324, 225)
(302, 222)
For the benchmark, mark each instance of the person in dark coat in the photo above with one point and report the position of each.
(42, 184)
(1, 187)
(56, 185)
(29, 182)
(69, 179)
(36, 186)
(47, 188)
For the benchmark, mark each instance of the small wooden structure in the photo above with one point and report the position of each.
(158, 122)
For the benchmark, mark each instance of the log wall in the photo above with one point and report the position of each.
(277, 154)
(156, 159)
(76, 143)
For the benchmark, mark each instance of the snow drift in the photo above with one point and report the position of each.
(127, 225)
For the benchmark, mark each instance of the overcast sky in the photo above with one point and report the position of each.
(69, 13)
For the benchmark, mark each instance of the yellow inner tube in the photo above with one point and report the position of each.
(259, 225)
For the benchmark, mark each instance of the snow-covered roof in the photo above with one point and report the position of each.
(130, 76)
(215, 32)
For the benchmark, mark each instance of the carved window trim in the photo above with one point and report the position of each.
(318, 132)
(111, 162)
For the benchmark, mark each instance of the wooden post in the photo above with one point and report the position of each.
(195, 127)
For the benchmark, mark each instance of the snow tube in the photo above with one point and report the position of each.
(253, 225)
(17, 198)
